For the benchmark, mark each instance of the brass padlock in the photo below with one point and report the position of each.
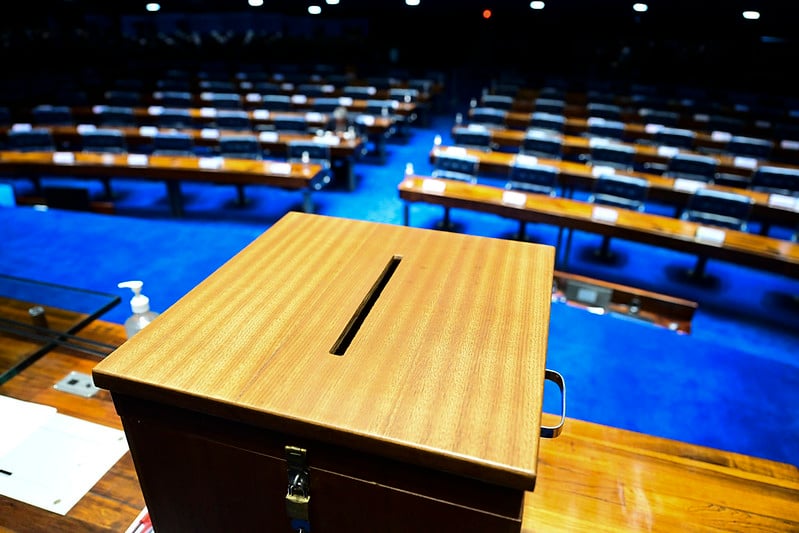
(297, 506)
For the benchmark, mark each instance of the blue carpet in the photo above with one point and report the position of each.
(733, 383)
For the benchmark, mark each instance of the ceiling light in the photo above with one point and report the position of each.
(314, 10)
(537, 4)
(332, 2)
(255, 3)
(152, 7)
(751, 15)
(412, 2)
(640, 7)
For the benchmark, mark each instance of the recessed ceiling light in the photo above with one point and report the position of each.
(314, 10)
(751, 15)
(332, 2)
(640, 7)
(412, 2)
(152, 7)
(255, 3)
(537, 4)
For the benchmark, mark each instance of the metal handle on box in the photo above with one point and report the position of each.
(550, 432)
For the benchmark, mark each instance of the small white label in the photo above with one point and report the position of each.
(314, 116)
(682, 184)
(455, 150)
(208, 112)
(97, 109)
(599, 170)
(366, 120)
(22, 126)
(708, 235)
(789, 145)
(209, 133)
(652, 128)
(252, 97)
(331, 140)
(721, 136)
(783, 201)
(283, 169)
(148, 131)
(514, 198)
(744, 162)
(525, 159)
(433, 186)
(268, 136)
(328, 88)
(260, 114)
(155, 109)
(298, 99)
(668, 151)
(85, 128)
(604, 214)
(137, 160)
(598, 141)
(210, 163)
(64, 158)
(345, 101)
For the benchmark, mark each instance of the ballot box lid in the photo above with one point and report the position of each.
(415, 344)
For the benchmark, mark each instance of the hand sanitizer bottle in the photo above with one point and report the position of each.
(140, 305)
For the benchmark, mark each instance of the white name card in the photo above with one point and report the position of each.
(783, 201)
(208, 112)
(260, 114)
(682, 184)
(283, 169)
(433, 186)
(97, 109)
(155, 110)
(366, 120)
(85, 128)
(455, 150)
(252, 97)
(514, 198)
(22, 126)
(345, 101)
(328, 88)
(371, 90)
(595, 121)
(298, 99)
(286, 86)
(789, 145)
(314, 116)
(721, 136)
(525, 159)
(598, 170)
(714, 236)
(64, 158)
(652, 128)
(744, 162)
(137, 160)
(148, 131)
(268, 136)
(668, 151)
(598, 141)
(246, 85)
(331, 140)
(210, 163)
(209, 133)
(206, 95)
(604, 214)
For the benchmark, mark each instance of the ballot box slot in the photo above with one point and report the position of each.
(351, 329)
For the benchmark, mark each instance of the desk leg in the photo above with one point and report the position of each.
(175, 197)
(568, 247)
(406, 214)
(307, 201)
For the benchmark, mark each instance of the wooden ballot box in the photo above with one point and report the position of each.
(339, 376)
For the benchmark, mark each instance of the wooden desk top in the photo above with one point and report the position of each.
(452, 316)
(591, 478)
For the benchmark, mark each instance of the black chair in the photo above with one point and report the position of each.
(403, 94)
(490, 117)
(716, 208)
(611, 154)
(325, 104)
(312, 90)
(291, 124)
(124, 98)
(176, 118)
(657, 116)
(181, 99)
(265, 87)
(726, 123)
(505, 89)
(276, 102)
(116, 116)
(31, 140)
(606, 128)
(497, 101)
(173, 143)
(301, 151)
(624, 192)
(218, 86)
(472, 136)
(740, 145)
(776, 180)
(52, 115)
(221, 100)
(692, 167)
(548, 121)
(233, 119)
(104, 141)
(240, 146)
(359, 92)
(384, 107)
(550, 105)
(604, 110)
(675, 137)
(534, 178)
(542, 143)
(456, 166)
(174, 85)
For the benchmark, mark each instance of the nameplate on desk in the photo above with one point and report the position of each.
(206, 96)
(207, 112)
(107, 159)
(682, 184)
(366, 120)
(652, 128)
(85, 128)
(345, 101)
(331, 140)
(246, 85)
(22, 126)
(268, 136)
(744, 162)
(604, 214)
(314, 116)
(299, 99)
(137, 160)
(286, 86)
(596, 121)
(702, 117)
(260, 114)
(524, 159)
(209, 133)
(210, 163)
(434, 186)
(599, 141)
(455, 150)
(668, 151)
(789, 145)
(599, 170)
(783, 201)
(64, 158)
(97, 109)
(514, 198)
(708, 235)
(328, 88)
(721, 136)
(155, 109)
(252, 97)
(148, 131)
(283, 169)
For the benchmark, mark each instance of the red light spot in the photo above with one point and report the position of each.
(486, 13)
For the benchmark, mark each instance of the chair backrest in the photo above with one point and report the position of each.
(774, 179)
(626, 192)
(116, 116)
(718, 208)
(693, 167)
(173, 85)
(265, 87)
(472, 136)
(550, 105)
(548, 121)
(675, 137)
(361, 92)
(726, 123)
(326, 104)
(175, 99)
(657, 116)
(750, 147)
(316, 152)
(120, 97)
(488, 116)
(612, 154)
(603, 127)
(497, 101)
(403, 94)
(175, 118)
(173, 143)
(217, 85)
(533, 177)
(245, 146)
(505, 89)
(32, 140)
(378, 107)
(311, 90)
(104, 141)
(53, 115)
(542, 143)
(276, 102)
(461, 167)
(290, 124)
(233, 119)
(221, 100)
(603, 110)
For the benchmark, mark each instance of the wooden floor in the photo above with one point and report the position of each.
(591, 478)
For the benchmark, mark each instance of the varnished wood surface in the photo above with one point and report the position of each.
(461, 316)
(739, 247)
(591, 478)
(661, 188)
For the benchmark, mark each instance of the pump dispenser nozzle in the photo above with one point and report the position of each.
(139, 303)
